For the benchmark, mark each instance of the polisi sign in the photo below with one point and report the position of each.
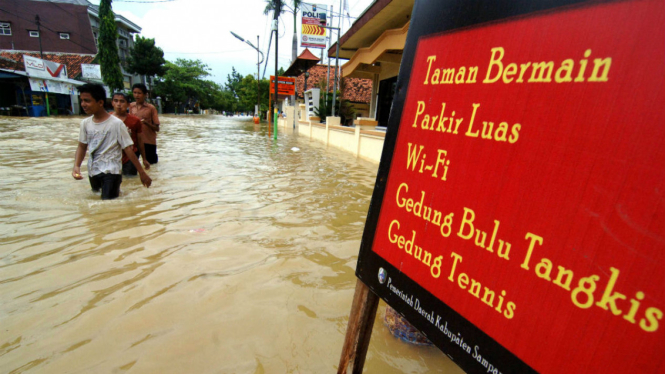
(313, 23)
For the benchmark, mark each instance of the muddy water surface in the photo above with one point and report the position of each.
(239, 259)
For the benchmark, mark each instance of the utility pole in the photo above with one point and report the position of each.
(278, 8)
(39, 33)
(327, 55)
(258, 81)
(41, 54)
(259, 55)
(339, 31)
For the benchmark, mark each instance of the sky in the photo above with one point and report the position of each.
(200, 29)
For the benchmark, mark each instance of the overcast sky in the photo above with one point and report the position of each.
(200, 29)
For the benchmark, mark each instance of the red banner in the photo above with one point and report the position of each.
(527, 185)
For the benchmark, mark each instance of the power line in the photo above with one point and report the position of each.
(207, 53)
(145, 2)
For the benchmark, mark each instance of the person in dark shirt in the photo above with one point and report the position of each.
(135, 128)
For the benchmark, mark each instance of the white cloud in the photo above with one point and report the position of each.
(200, 29)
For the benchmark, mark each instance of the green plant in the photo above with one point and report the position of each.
(108, 50)
(344, 108)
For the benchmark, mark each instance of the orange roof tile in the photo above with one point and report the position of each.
(358, 90)
(72, 61)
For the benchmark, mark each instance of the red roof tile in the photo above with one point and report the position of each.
(307, 55)
(358, 90)
(72, 61)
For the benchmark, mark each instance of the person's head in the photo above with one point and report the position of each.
(139, 90)
(120, 103)
(93, 97)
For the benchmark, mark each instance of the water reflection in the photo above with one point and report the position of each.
(240, 258)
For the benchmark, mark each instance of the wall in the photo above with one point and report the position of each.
(364, 144)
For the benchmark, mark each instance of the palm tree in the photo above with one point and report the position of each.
(270, 7)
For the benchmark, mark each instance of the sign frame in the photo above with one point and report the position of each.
(91, 71)
(40, 68)
(312, 35)
(286, 86)
(430, 18)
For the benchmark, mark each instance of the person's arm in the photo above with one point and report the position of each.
(145, 179)
(155, 119)
(154, 128)
(146, 164)
(78, 159)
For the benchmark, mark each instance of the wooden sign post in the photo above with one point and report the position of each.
(518, 216)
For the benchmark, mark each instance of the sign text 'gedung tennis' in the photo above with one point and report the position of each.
(525, 191)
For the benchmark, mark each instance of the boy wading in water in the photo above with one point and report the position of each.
(135, 128)
(106, 137)
(148, 115)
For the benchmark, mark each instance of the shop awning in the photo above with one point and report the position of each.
(24, 74)
(63, 86)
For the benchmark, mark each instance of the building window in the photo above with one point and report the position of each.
(95, 35)
(64, 35)
(5, 28)
(34, 34)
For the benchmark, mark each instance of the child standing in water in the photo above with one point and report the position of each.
(148, 115)
(106, 137)
(135, 128)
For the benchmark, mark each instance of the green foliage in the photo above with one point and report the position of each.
(108, 50)
(271, 5)
(243, 90)
(344, 109)
(233, 82)
(146, 58)
(185, 82)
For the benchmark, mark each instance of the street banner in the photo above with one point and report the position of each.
(43, 85)
(286, 86)
(91, 71)
(518, 216)
(312, 35)
(38, 68)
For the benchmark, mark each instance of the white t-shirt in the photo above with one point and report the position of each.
(105, 141)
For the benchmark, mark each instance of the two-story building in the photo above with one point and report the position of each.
(61, 31)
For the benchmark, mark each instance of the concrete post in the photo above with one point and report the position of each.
(327, 132)
(357, 137)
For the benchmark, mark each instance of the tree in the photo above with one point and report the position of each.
(233, 82)
(184, 81)
(146, 58)
(270, 6)
(108, 49)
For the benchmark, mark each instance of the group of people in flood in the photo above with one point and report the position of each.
(116, 140)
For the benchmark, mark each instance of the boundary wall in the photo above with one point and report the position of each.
(362, 143)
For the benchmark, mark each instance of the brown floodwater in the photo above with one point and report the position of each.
(239, 259)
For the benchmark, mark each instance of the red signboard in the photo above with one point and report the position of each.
(526, 191)
(286, 86)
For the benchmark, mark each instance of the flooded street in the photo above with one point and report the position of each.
(239, 259)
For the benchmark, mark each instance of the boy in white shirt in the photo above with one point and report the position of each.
(106, 137)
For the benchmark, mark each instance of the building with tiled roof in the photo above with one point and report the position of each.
(14, 61)
(357, 90)
(57, 31)
(66, 28)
